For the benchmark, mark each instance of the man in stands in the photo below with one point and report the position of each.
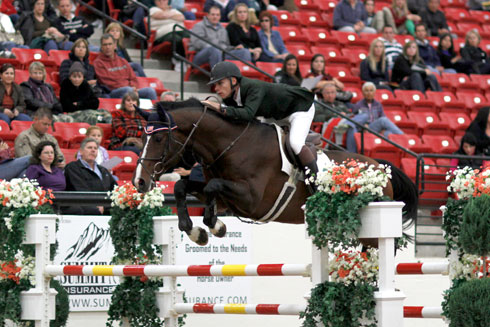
(114, 73)
(434, 19)
(427, 51)
(211, 30)
(38, 132)
(322, 112)
(392, 48)
(351, 16)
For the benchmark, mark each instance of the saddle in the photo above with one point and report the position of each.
(313, 140)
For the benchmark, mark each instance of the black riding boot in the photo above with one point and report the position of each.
(309, 166)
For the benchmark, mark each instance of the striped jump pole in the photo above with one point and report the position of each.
(303, 270)
(422, 312)
(420, 268)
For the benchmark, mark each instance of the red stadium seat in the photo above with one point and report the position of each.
(428, 123)
(415, 100)
(64, 132)
(6, 135)
(460, 82)
(152, 82)
(69, 154)
(382, 95)
(107, 131)
(328, 19)
(456, 15)
(292, 34)
(411, 142)
(356, 55)
(26, 56)
(440, 143)
(401, 120)
(356, 94)
(458, 122)
(57, 56)
(326, 6)
(304, 5)
(310, 19)
(370, 37)
(302, 52)
(350, 39)
(21, 76)
(472, 100)
(247, 71)
(446, 101)
(285, 17)
(320, 36)
(332, 55)
(197, 9)
(109, 104)
(337, 72)
(402, 39)
(375, 147)
(431, 172)
(125, 169)
(18, 126)
(483, 82)
(482, 16)
(270, 67)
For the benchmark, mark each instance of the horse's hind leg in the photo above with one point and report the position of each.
(181, 189)
(216, 226)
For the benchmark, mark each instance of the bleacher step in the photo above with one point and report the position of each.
(430, 251)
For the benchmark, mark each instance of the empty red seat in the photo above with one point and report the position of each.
(415, 100)
(109, 104)
(269, 67)
(310, 19)
(26, 56)
(291, 34)
(126, 168)
(411, 142)
(472, 100)
(356, 94)
(376, 147)
(428, 123)
(458, 122)
(69, 154)
(401, 120)
(350, 39)
(64, 132)
(247, 70)
(440, 143)
(19, 126)
(459, 82)
(285, 17)
(327, 6)
(6, 134)
(302, 52)
(356, 55)
(320, 36)
(483, 82)
(152, 82)
(456, 14)
(332, 55)
(57, 56)
(305, 5)
(446, 101)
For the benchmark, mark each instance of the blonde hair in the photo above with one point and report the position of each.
(400, 11)
(372, 60)
(251, 19)
(416, 58)
(37, 65)
(111, 26)
(95, 128)
(474, 32)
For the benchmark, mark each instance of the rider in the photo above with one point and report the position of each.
(245, 99)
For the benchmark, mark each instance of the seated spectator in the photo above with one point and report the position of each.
(289, 73)
(374, 68)
(415, 6)
(351, 16)
(371, 13)
(117, 32)
(26, 141)
(410, 72)
(211, 29)
(480, 128)
(79, 53)
(273, 48)
(163, 19)
(317, 68)
(12, 105)
(241, 32)
(114, 73)
(329, 105)
(392, 47)
(434, 19)
(27, 5)
(7, 7)
(43, 167)
(11, 167)
(369, 112)
(398, 17)
(226, 7)
(39, 31)
(86, 175)
(96, 133)
(449, 58)
(476, 5)
(74, 27)
(168, 96)
(9, 36)
(180, 6)
(468, 147)
(38, 93)
(428, 53)
(127, 125)
(471, 52)
(131, 11)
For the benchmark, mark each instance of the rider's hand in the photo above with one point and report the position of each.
(212, 105)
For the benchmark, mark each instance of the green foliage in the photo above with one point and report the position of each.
(337, 304)
(10, 299)
(62, 305)
(468, 303)
(335, 217)
(475, 230)
(451, 223)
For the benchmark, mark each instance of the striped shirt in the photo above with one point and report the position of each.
(392, 51)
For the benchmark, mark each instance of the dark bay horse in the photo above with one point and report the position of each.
(242, 165)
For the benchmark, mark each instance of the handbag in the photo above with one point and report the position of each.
(11, 37)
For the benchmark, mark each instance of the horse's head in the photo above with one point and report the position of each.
(161, 150)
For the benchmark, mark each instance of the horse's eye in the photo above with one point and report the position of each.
(158, 138)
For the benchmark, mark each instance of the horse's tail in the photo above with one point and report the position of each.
(403, 190)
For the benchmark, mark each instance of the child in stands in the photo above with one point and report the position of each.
(96, 133)
(468, 148)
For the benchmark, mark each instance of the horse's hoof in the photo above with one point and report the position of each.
(198, 236)
(219, 229)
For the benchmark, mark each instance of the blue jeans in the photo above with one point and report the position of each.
(144, 93)
(189, 15)
(382, 123)
(138, 20)
(19, 117)
(14, 168)
(130, 148)
(53, 45)
(93, 48)
(138, 70)
(212, 56)
(8, 45)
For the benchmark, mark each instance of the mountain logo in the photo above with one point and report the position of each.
(89, 243)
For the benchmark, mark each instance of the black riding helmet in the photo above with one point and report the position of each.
(224, 69)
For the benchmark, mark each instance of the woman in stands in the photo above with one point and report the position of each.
(468, 147)
(375, 68)
(127, 125)
(290, 73)
(474, 54)
(449, 58)
(117, 32)
(397, 16)
(241, 32)
(43, 167)
(37, 93)
(480, 127)
(79, 53)
(273, 48)
(410, 72)
(317, 68)
(12, 105)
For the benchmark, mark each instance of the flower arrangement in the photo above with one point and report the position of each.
(354, 267)
(332, 213)
(467, 267)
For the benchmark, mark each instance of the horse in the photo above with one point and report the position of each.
(242, 165)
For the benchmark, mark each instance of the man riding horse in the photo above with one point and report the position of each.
(244, 99)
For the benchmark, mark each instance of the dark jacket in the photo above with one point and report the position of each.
(377, 76)
(66, 64)
(345, 15)
(474, 55)
(461, 66)
(82, 29)
(260, 98)
(83, 95)
(32, 104)
(433, 20)
(323, 114)
(402, 68)
(26, 6)
(284, 78)
(17, 96)
(428, 53)
(483, 145)
(123, 53)
(237, 36)
(25, 25)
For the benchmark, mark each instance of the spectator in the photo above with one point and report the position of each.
(468, 147)
(37, 93)
(12, 105)
(374, 68)
(471, 52)
(211, 29)
(27, 140)
(317, 68)
(410, 72)
(351, 16)
(131, 11)
(127, 125)
(180, 6)
(434, 19)
(397, 16)
(370, 9)
(23, 6)
(415, 6)
(392, 47)
(74, 27)
(480, 128)
(273, 48)
(329, 105)
(289, 73)
(79, 53)
(96, 133)
(163, 19)
(226, 7)
(9, 35)
(476, 5)
(7, 7)
(241, 32)
(369, 112)
(43, 167)
(11, 167)
(86, 175)
(117, 33)
(449, 58)
(114, 73)
(39, 31)
(168, 96)
(427, 51)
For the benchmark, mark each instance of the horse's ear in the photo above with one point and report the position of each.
(160, 109)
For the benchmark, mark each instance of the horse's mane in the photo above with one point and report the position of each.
(173, 105)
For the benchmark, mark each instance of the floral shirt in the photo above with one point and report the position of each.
(124, 125)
